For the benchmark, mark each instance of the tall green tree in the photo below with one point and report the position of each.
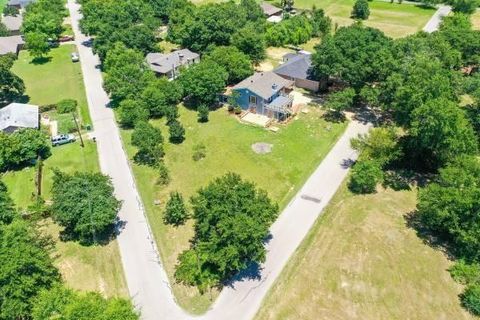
(149, 141)
(7, 207)
(356, 54)
(161, 95)
(232, 218)
(361, 10)
(11, 85)
(175, 212)
(203, 82)
(132, 111)
(84, 204)
(251, 40)
(450, 206)
(236, 63)
(37, 44)
(26, 268)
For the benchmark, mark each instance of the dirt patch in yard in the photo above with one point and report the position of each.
(262, 147)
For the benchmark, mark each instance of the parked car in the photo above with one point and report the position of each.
(66, 38)
(62, 139)
(75, 57)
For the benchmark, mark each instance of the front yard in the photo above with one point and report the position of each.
(297, 149)
(85, 268)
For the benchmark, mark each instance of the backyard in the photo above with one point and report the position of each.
(297, 148)
(86, 268)
(361, 261)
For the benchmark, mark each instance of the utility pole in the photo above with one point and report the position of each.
(78, 130)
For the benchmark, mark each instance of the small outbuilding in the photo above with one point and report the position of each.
(270, 10)
(168, 65)
(298, 68)
(17, 116)
(11, 44)
(19, 4)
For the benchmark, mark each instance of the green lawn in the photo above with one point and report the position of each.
(55, 80)
(297, 149)
(361, 261)
(476, 20)
(85, 268)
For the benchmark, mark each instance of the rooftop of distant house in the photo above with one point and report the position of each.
(269, 9)
(19, 115)
(164, 63)
(21, 3)
(296, 65)
(13, 23)
(264, 84)
(10, 44)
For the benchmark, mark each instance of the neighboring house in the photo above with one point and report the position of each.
(12, 44)
(265, 93)
(13, 23)
(298, 68)
(270, 10)
(19, 4)
(168, 64)
(19, 116)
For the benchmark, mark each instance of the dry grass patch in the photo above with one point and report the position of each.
(361, 261)
(476, 20)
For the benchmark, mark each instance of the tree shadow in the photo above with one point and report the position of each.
(432, 239)
(252, 272)
(100, 238)
(41, 60)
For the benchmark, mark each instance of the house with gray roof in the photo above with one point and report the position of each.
(11, 44)
(19, 4)
(13, 23)
(270, 10)
(168, 65)
(265, 93)
(298, 68)
(17, 116)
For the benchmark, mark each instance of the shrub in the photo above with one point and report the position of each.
(365, 176)
(175, 213)
(163, 174)
(199, 152)
(465, 273)
(361, 10)
(203, 113)
(67, 106)
(176, 131)
(471, 299)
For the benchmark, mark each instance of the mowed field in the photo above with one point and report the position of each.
(395, 20)
(297, 149)
(361, 261)
(84, 268)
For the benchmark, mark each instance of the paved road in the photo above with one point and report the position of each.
(434, 23)
(147, 281)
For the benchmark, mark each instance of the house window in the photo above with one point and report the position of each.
(253, 99)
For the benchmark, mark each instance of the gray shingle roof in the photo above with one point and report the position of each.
(13, 23)
(269, 10)
(163, 63)
(296, 66)
(21, 3)
(19, 115)
(264, 84)
(10, 44)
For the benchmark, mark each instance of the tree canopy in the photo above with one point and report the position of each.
(84, 204)
(236, 63)
(232, 218)
(11, 85)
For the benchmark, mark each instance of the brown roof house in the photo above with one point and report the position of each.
(273, 14)
(168, 65)
(11, 44)
(17, 116)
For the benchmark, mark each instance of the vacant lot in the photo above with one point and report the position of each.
(89, 268)
(297, 149)
(58, 78)
(361, 261)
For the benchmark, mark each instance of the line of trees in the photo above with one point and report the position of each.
(413, 86)
(31, 286)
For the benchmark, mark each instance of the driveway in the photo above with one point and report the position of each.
(146, 279)
(434, 23)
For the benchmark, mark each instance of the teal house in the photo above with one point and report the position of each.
(265, 93)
